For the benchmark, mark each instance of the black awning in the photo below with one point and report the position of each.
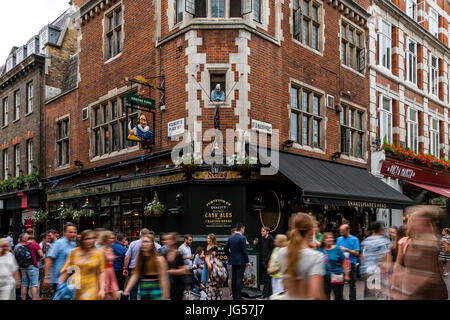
(326, 182)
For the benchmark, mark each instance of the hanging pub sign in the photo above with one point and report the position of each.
(140, 129)
(218, 214)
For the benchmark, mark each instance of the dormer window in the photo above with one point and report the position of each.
(9, 64)
(43, 39)
(33, 46)
(19, 56)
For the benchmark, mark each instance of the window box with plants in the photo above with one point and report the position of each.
(242, 164)
(33, 179)
(188, 162)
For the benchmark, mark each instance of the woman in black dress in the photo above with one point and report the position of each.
(176, 267)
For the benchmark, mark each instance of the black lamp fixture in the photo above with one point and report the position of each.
(288, 144)
(336, 155)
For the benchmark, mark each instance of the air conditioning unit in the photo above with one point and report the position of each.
(85, 113)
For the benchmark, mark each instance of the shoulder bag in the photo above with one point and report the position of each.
(335, 278)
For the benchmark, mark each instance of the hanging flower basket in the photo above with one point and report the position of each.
(39, 216)
(188, 162)
(83, 215)
(67, 214)
(242, 164)
(154, 209)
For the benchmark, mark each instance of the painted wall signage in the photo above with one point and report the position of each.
(175, 128)
(218, 214)
(262, 126)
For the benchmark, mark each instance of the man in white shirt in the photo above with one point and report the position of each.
(186, 252)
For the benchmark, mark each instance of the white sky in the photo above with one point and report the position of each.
(22, 19)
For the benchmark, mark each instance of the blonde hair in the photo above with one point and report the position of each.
(104, 236)
(299, 225)
(282, 240)
(4, 241)
(212, 236)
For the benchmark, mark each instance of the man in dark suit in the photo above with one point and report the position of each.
(236, 251)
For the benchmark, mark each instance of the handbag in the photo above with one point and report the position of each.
(335, 278)
(446, 247)
(64, 292)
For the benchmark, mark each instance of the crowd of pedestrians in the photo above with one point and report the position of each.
(408, 262)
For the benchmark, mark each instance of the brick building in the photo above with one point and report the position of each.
(409, 94)
(294, 68)
(32, 74)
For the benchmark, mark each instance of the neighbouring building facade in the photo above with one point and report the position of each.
(293, 72)
(32, 74)
(409, 97)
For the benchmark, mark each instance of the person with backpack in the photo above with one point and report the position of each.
(27, 254)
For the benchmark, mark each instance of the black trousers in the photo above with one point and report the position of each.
(338, 289)
(120, 279)
(352, 282)
(267, 290)
(236, 281)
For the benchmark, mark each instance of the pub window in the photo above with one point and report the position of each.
(307, 23)
(306, 117)
(352, 45)
(113, 32)
(352, 131)
(5, 112)
(62, 142)
(110, 128)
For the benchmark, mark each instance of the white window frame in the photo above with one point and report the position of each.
(43, 39)
(384, 129)
(433, 76)
(30, 156)
(19, 56)
(411, 9)
(352, 47)
(433, 28)
(412, 129)
(17, 105)
(31, 47)
(9, 64)
(302, 17)
(411, 57)
(385, 44)
(63, 140)
(17, 159)
(5, 164)
(5, 112)
(434, 137)
(30, 97)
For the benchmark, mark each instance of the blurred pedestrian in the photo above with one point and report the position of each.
(176, 267)
(350, 245)
(417, 262)
(336, 272)
(229, 268)
(27, 254)
(10, 238)
(186, 252)
(280, 241)
(392, 233)
(303, 268)
(56, 256)
(265, 250)
(106, 239)
(9, 271)
(199, 263)
(375, 262)
(119, 250)
(316, 240)
(236, 250)
(98, 235)
(131, 258)
(150, 272)
(88, 265)
(444, 255)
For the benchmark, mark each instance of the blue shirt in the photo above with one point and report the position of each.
(352, 243)
(119, 252)
(133, 252)
(11, 242)
(335, 258)
(58, 252)
(372, 249)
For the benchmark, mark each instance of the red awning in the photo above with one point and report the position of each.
(439, 190)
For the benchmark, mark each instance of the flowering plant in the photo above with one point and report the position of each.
(67, 214)
(188, 161)
(78, 214)
(154, 208)
(39, 216)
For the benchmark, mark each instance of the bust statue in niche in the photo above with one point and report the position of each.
(217, 95)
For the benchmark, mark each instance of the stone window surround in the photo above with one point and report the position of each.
(66, 162)
(407, 41)
(188, 19)
(364, 130)
(105, 27)
(379, 32)
(218, 68)
(410, 123)
(321, 36)
(430, 70)
(363, 40)
(434, 132)
(111, 95)
(299, 84)
(390, 112)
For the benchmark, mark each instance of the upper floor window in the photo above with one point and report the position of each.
(307, 23)
(433, 75)
(411, 61)
(385, 118)
(43, 39)
(307, 120)
(434, 137)
(16, 105)
(433, 19)
(113, 32)
(178, 11)
(30, 97)
(218, 8)
(29, 156)
(5, 164)
(384, 44)
(109, 127)
(256, 5)
(5, 112)
(16, 160)
(352, 44)
(62, 142)
(411, 8)
(352, 130)
(412, 131)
